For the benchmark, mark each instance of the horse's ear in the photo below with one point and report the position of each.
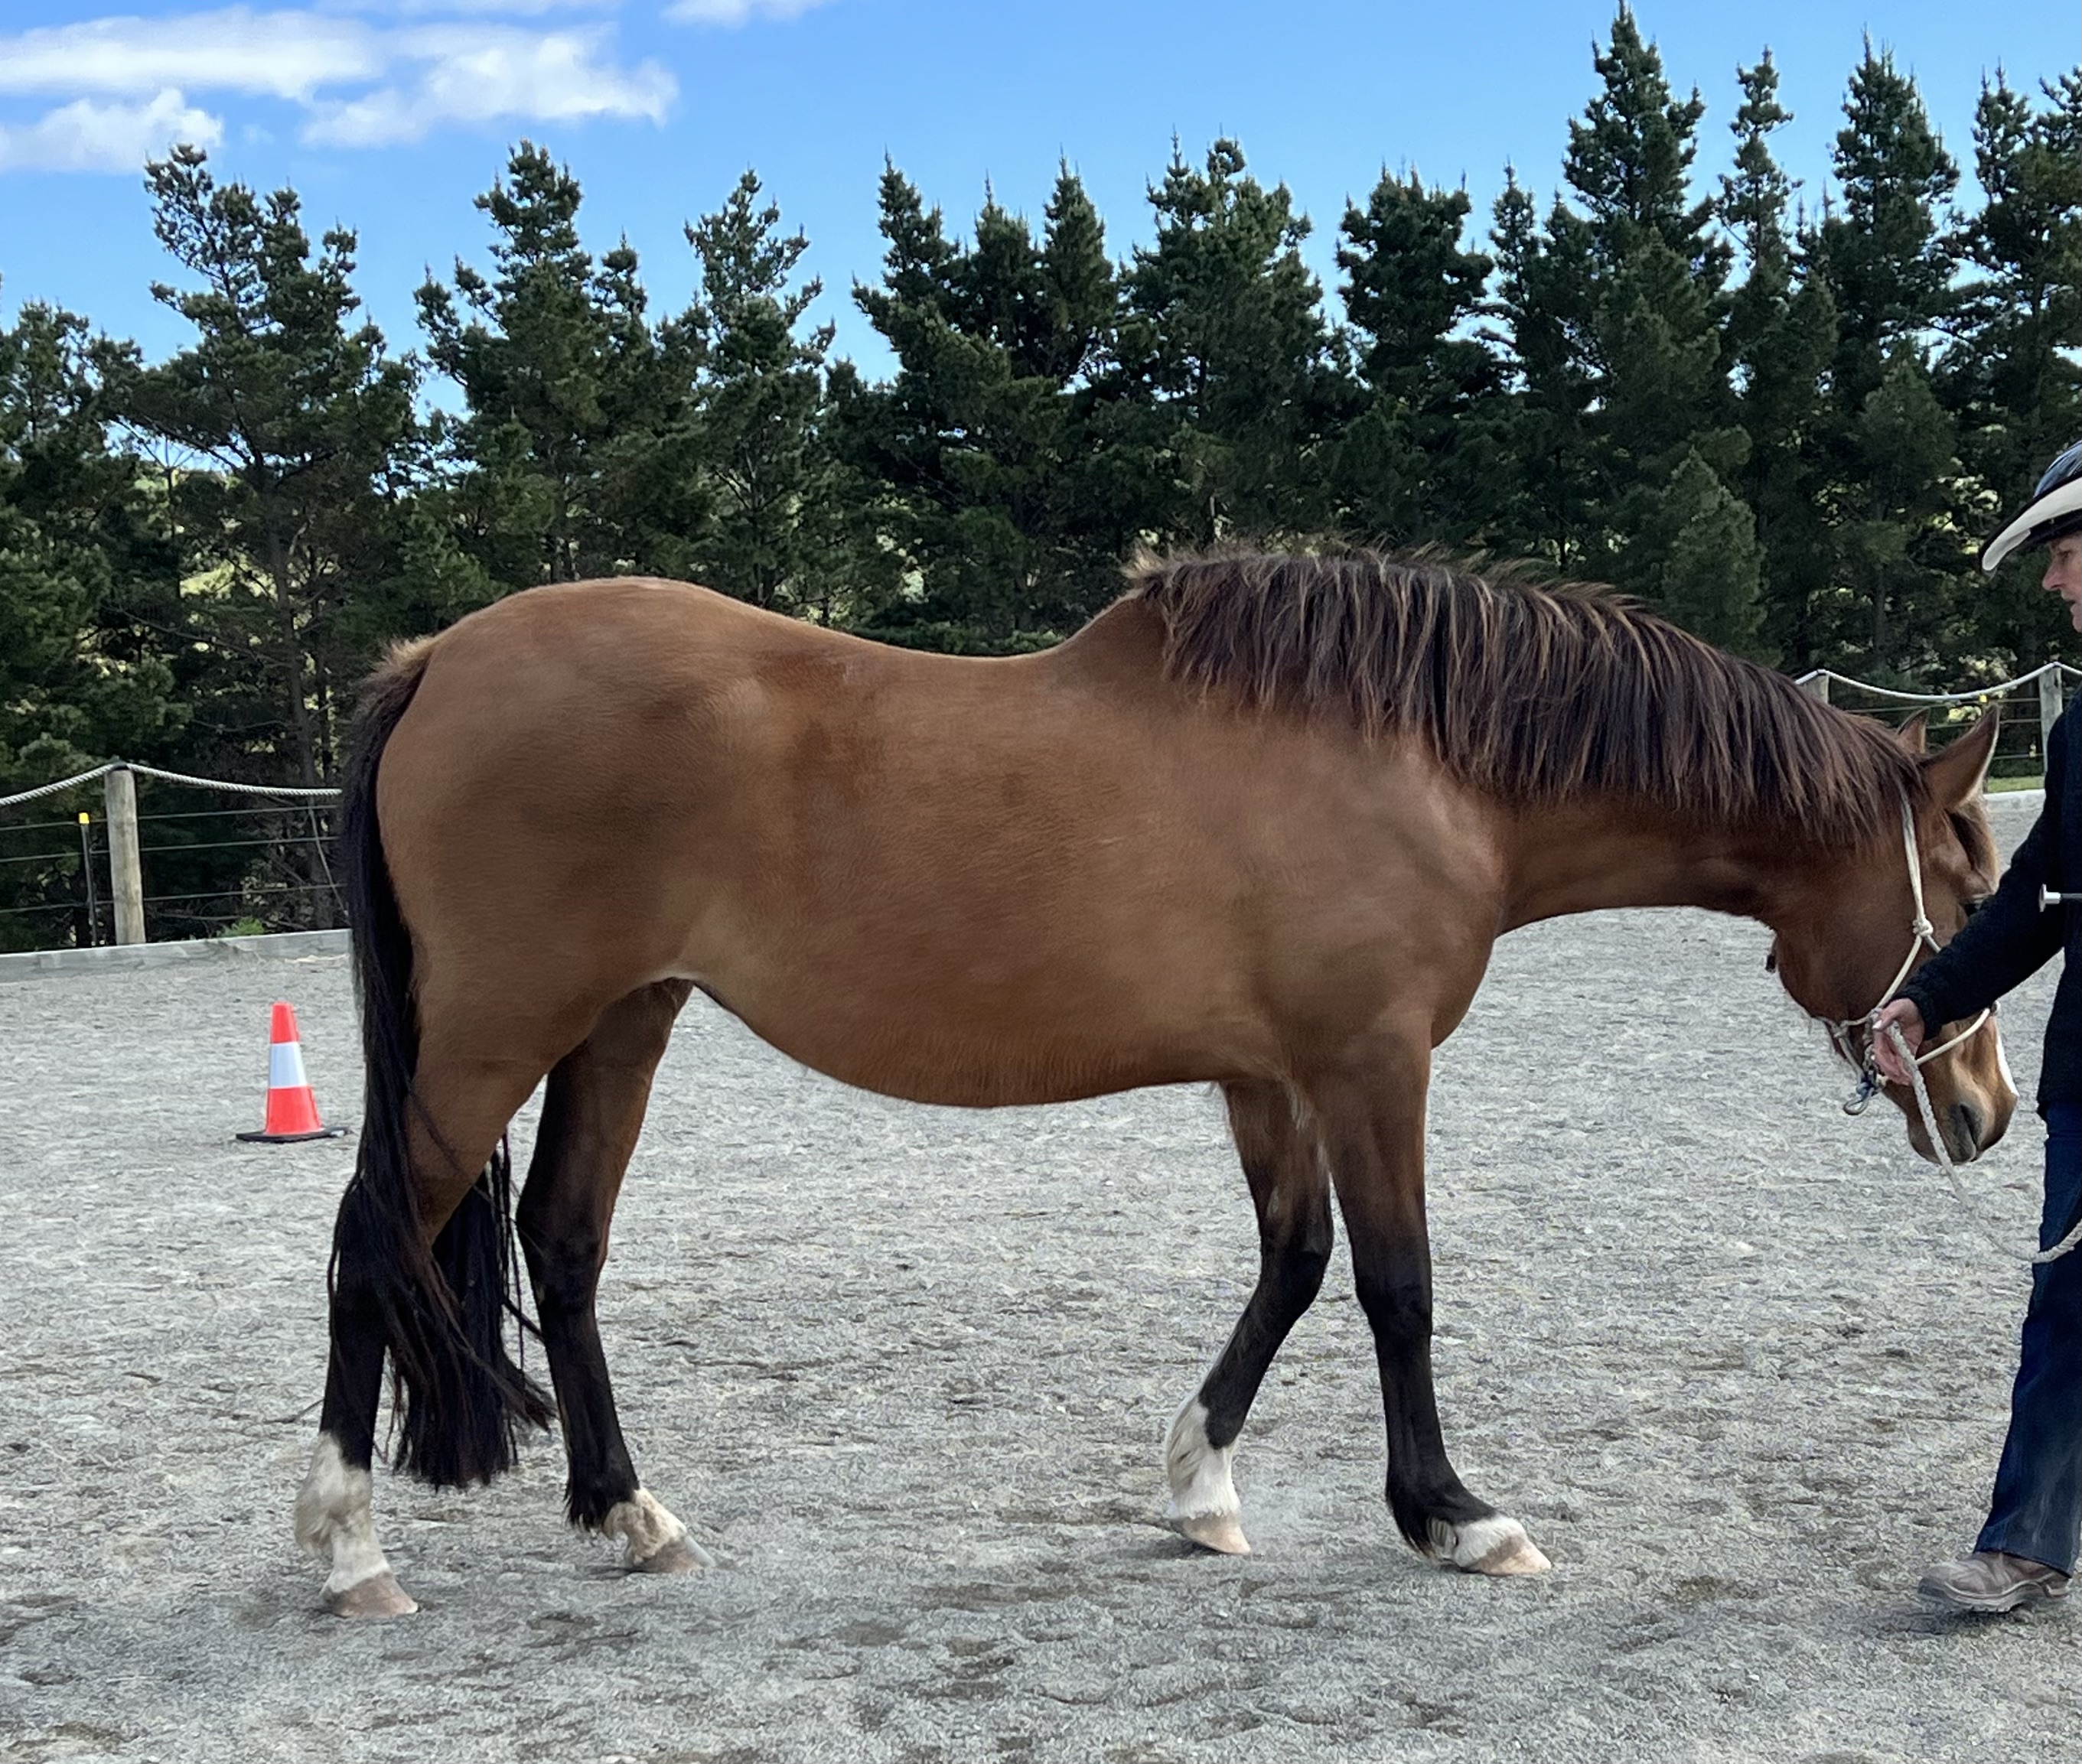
(1915, 734)
(1956, 774)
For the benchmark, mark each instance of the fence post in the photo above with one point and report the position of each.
(2049, 708)
(126, 869)
(1815, 685)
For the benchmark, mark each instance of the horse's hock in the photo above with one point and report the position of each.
(1737, 1360)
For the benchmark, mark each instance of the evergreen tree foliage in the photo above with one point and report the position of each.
(1415, 462)
(995, 437)
(1779, 340)
(2010, 373)
(82, 571)
(293, 428)
(574, 457)
(1882, 249)
(1224, 333)
(759, 403)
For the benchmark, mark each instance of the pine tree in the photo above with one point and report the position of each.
(2009, 374)
(1708, 564)
(576, 454)
(1883, 250)
(760, 405)
(84, 576)
(1781, 336)
(302, 426)
(1002, 450)
(1413, 464)
(1540, 502)
(1636, 277)
(1882, 245)
(1227, 335)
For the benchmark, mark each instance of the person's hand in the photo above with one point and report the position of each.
(1902, 1015)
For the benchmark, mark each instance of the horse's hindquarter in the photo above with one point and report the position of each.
(959, 881)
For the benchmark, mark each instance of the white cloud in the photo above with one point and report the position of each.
(84, 136)
(476, 75)
(736, 12)
(360, 83)
(279, 54)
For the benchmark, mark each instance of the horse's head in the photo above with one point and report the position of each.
(1857, 934)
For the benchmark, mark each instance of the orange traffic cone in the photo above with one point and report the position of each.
(293, 1111)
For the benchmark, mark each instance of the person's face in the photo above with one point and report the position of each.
(2063, 575)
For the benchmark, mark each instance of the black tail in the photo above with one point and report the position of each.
(458, 1399)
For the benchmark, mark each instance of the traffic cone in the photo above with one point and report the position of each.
(293, 1111)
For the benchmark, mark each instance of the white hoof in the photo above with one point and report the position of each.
(1497, 1545)
(657, 1542)
(1203, 1507)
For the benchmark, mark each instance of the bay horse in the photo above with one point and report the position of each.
(1258, 823)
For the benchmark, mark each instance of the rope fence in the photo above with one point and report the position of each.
(259, 862)
(2029, 706)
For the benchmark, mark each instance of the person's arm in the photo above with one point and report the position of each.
(2012, 936)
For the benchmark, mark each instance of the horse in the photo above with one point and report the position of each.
(1257, 824)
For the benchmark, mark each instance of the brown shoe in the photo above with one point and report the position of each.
(1991, 1581)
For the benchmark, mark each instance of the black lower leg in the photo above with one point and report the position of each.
(602, 1474)
(354, 1368)
(1290, 1275)
(1423, 1485)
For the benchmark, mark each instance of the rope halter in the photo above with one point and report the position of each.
(1842, 1030)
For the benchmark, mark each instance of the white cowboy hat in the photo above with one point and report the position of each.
(2055, 509)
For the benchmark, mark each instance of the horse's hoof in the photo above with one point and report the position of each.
(682, 1555)
(1495, 1545)
(1221, 1532)
(377, 1597)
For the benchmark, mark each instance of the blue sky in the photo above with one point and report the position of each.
(390, 115)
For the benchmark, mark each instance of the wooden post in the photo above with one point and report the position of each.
(2049, 708)
(126, 869)
(1815, 685)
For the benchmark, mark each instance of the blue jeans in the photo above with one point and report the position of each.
(2037, 1508)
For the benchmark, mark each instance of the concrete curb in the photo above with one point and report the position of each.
(283, 945)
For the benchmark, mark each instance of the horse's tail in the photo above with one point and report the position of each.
(458, 1399)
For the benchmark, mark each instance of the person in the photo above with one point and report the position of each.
(2026, 1551)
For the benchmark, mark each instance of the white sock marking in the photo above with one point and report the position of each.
(1199, 1471)
(1495, 1545)
(334, 1516)
(645, 1525)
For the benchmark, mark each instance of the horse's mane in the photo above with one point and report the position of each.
(1536, 692)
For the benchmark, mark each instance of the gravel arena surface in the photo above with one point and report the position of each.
(1737, 1363)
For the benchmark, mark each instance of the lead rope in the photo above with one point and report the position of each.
(1922, 932)
(1968, 1204)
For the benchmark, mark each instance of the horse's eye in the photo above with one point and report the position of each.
(1970, 907)
(1771, 961)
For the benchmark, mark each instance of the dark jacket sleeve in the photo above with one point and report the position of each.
(2011, 938)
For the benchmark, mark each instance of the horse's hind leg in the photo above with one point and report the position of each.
(1291, 1189)
(591, 1117)
(470, 1103)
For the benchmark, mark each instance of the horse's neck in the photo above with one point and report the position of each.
(1584, 857)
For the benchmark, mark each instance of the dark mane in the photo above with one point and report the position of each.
(1537, 693)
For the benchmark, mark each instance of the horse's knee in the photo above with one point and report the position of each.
(563, 1267)
(1292, 1273)
(1399, 1307)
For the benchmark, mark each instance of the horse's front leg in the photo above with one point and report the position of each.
(1372, 1114)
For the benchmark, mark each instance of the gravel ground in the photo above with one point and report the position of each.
(1735, 1359)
